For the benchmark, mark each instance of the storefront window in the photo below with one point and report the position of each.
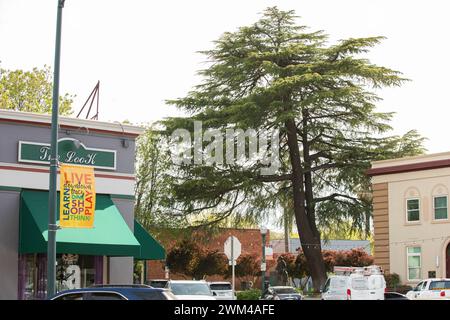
(72, 272)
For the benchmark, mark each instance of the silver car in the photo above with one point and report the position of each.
(221, 290)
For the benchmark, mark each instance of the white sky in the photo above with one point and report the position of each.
(144, 52)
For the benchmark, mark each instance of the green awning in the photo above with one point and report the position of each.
(110, 235)
(150, 248)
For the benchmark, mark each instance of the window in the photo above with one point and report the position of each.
(105, 296)
(414, 263)
(440, 207)
(413, 211)
(440, 285)
(70, 296)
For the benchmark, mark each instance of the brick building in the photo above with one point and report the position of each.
(251, 243)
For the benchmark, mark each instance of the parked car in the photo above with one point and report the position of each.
(431, 289)
(394, 296)
(221, 290)
(158, 283)
(190, 289)
(281, 293)
(115, 292)
(355, 283)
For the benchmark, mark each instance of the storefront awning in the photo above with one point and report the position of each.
(109, 237)
(150, 248)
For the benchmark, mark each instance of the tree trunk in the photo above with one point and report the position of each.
(308, 239)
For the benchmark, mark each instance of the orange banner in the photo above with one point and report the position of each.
(77, 197)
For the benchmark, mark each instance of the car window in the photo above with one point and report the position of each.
(338, 282)
(70, 296)
(327, 285)
(158, 283)
(375, 282)
(220, 286)
(105, 296)
(190, 289)
(418, 287)
(440, 285)
(360, 283)
(284, 290)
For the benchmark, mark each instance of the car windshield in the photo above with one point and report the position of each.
(440, 285)
(284, 290)
(220, 286)
(190, 289)
(360, 283)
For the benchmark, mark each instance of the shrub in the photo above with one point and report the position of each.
(253, 294)
(392, 280)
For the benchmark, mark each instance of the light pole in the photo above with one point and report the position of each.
(263, 261)
(52, 227)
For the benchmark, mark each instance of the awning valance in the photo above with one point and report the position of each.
(150, 248)
(109, 237)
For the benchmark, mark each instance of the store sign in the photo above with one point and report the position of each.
(77, 197)
(70, 151)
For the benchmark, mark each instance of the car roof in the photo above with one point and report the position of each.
(158, 280)
(121, 290)
(220, 282)
(281, 287)
(187, 281)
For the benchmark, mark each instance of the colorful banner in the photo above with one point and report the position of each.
(77, 197)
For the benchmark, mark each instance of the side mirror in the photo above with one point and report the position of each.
(214, 294)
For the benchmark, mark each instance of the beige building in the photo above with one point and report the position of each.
(411, 217)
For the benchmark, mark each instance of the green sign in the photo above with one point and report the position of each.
(69, 151)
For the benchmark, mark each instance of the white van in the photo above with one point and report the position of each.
(353, 283)
(335, 288)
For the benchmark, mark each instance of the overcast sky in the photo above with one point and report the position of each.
(144, 52)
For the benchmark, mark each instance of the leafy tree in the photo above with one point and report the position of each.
(276, 74)
(248, 266)
(211, 263)
(31, 91)
(188, 258)
(153, 183)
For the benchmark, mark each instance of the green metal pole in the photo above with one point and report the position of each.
(52, 227)
(263, 275)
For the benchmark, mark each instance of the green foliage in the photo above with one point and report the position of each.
(392, 280)
(153, 183)
(344, 258)
(188, 258)
(247, 266)
(31, 91)
(253, 294)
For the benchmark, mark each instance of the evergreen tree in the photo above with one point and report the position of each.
(276, 74)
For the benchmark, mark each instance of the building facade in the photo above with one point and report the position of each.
(251, 244)
(411, 217)
(103, 254)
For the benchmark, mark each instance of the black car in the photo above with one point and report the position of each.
(115, 292)
(281, 293)
(394, 296)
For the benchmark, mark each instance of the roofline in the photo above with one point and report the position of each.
(427, 165)
(71, 123)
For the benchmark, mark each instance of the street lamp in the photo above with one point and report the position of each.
(263, 261)
(52, 227)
